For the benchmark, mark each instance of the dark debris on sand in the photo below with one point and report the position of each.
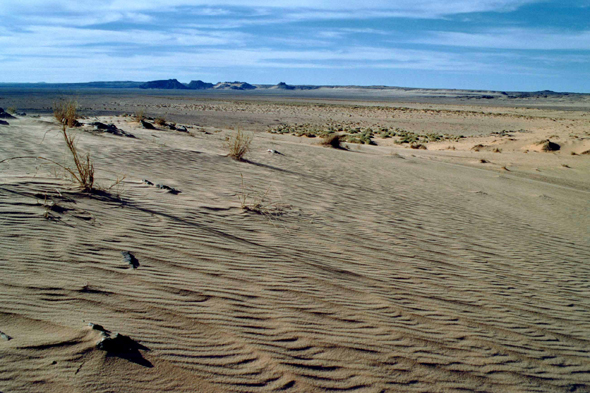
(129, 258)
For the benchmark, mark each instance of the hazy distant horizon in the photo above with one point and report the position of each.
(186, 82)
(500, 45)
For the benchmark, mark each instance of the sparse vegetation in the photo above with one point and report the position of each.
(238, 145)
(83, 171)
(352, 132)
(11, 110)
(160, 120)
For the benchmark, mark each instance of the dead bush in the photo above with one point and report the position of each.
(332, 140)
(65, 111)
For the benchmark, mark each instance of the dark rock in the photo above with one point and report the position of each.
(130, 259)
(5, 336)
(20, 113)
(5, 115)
(171, 190)
(172, 126)
(149, 183)
(111, 129)
(199, 85)
(118, 343)
(147, 126)
(549, 146)
(163, 84)
(100, 328)
(4, 123)
(181, 129)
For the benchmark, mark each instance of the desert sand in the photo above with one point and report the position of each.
(376, 268)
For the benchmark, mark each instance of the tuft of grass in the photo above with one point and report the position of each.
(332, 140)
(139, 115)
(11, 110)
(65, 111)
(262, 203)
(238, 145)
(418, 146)
(160, 120)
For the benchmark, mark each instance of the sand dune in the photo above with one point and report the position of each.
(417, 271)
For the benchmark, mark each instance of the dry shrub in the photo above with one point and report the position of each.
(239, 145)
(83, 173)
(139, 115)
(161, 121)
(418, 146)
(332, 140)
(65, 111)
(265, 203)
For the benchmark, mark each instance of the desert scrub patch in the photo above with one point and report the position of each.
(354, 132)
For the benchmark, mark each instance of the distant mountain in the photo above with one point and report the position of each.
(163, 84)
(282, 86)
(535, 94)
(199, 85)
(234, 86)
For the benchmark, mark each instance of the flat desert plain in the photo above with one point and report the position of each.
(462, 264)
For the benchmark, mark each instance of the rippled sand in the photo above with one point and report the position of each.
(389, 269)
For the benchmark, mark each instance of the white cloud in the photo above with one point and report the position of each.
(512, 39)
(415, 8)
(45, 39)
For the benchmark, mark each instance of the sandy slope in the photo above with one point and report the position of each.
(414, 271)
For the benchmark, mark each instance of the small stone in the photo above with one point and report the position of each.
(5, 336)
(130, 259)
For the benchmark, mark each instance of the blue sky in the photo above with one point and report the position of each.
(476, 44)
